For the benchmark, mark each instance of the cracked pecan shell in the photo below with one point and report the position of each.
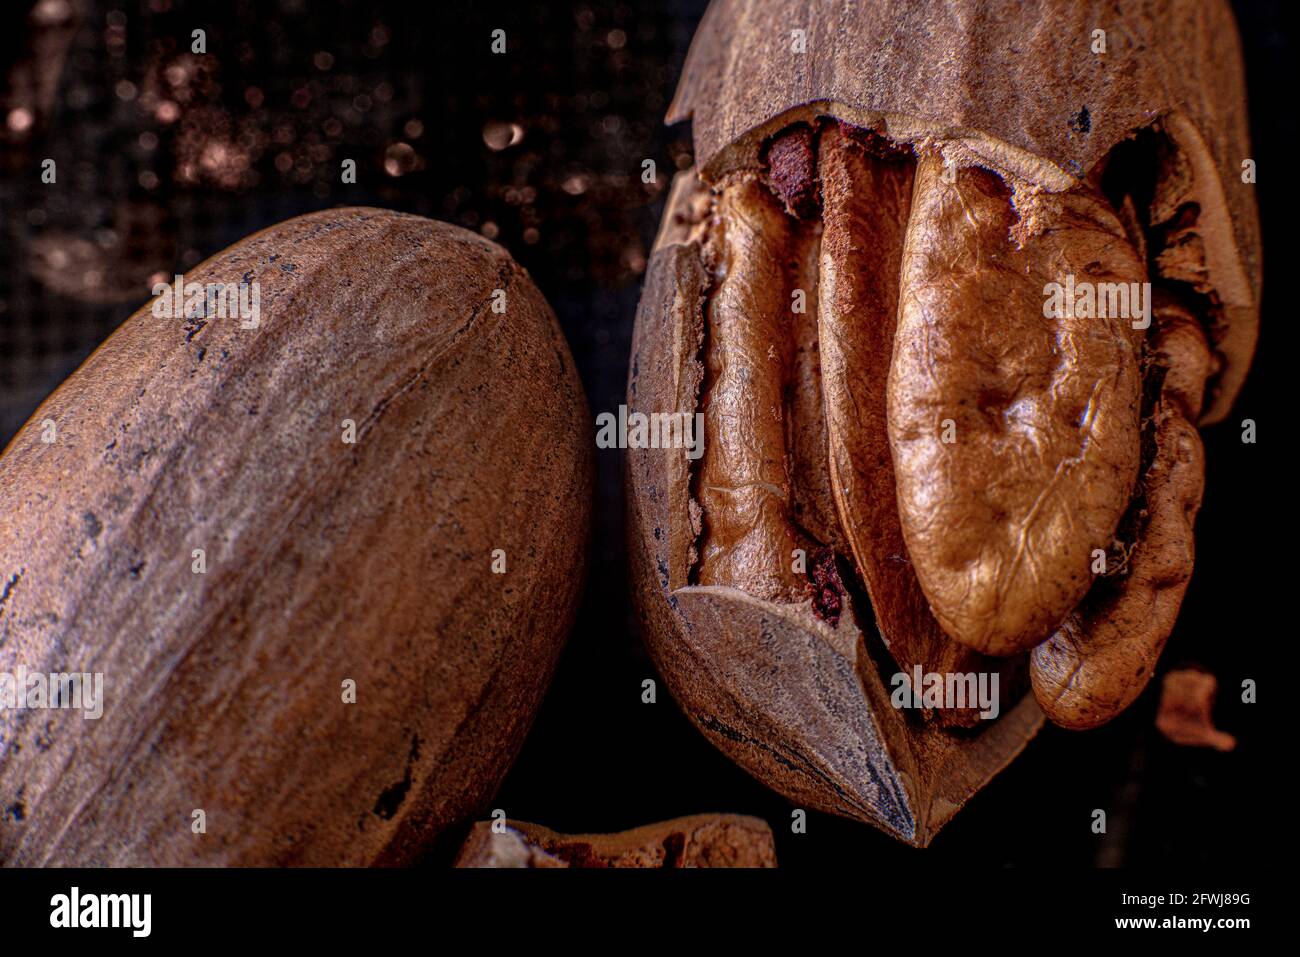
(850, 288)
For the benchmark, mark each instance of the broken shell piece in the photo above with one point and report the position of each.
(702, 840)
(1186, 714)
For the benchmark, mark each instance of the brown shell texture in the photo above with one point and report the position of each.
(884, 192)
(326, 561)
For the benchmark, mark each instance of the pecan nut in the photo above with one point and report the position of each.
(346, 600)
(951, 341)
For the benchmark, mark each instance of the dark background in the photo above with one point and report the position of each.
(165, 158)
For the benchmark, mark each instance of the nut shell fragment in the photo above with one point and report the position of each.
(701, 840)
(1186, 714)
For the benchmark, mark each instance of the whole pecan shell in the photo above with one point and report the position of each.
(326, 561)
